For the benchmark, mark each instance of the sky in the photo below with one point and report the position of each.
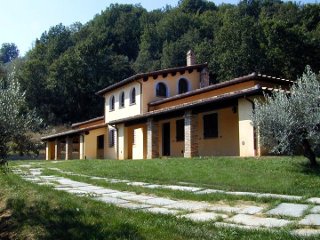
(22, 21)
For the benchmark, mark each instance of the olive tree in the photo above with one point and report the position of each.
(290, 121)
(16, 120)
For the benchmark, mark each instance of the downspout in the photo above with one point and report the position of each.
(255, 139)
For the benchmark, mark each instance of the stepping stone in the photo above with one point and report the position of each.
(104, 191)
(250, 220)
(209, 191)
(152, 186)
(97, 178)
(243, 194)
(181, 188)
(138, 198)
(232, 225)
(313, 200)
(315, 209)
(189, 205)
(228, 209)
(111, 200)
(159, 201)
(89, 188)
(289, 210)
(137, 183)
(119, 194)
(306, 232)
(204, 216)
(161, 210)
(118, 181)
(76, 191)
(311, 220)
(280, 196)
(251, 210)
(134, 206)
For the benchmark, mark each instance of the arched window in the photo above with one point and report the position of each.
(121, 100)
(161, 90)
(183, 86)
(111, 103)
(133, 96)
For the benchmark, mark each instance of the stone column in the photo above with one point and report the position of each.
(152, 139)
(57, 150)
(246, 129)
(81, 148)
(69, 148)
(47, 150)
(191, 144)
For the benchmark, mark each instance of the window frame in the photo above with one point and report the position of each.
(158, 90)
(210, 125)
(122, 99)
(133, 94)
(184, 80)
(111, 139)
(111, 103)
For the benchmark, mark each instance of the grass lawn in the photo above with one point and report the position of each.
(29, 211)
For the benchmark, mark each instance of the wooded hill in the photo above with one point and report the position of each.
(68, 64)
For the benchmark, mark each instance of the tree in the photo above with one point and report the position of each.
(16, 121)
(8, 52)
(287, 122)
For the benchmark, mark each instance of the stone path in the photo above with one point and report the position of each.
(299, 219)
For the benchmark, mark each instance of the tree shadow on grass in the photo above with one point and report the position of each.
(60, 223)
(307, 169)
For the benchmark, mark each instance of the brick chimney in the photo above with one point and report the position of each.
(191, 58)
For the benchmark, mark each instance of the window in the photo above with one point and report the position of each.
(121, 100)
(111, 103)
(111, 138)
(180, 130)
(161, 90)
(133, 96)
(210, 125)
(183, 86)
(100, 142)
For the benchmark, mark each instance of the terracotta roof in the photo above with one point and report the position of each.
(71, 132)
(185, 106)
(150, 74)
(252, 76)
(87, 121)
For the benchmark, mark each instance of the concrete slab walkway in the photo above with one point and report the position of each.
(300, 219)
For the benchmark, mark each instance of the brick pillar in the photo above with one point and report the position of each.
(81, 147)
(152, 139)
(69, 148)
(190, 135)
(57, 150)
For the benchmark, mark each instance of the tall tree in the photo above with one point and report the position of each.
(8, 52)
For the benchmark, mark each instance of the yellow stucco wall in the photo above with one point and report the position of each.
(137, 144)
(227, 143)
(149, 86)
(110, 152)
(129, 109)
(90, 142)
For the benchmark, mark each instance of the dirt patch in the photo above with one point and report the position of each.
(6, 225)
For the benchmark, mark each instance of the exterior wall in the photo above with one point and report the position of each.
(129, 109)
(214, 92)
(227, 143)
(149, 86)
(246, 131)
(137, 141)
(122, 142)
(50, 150)
(90, 142)
(110, 152)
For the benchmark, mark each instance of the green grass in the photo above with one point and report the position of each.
(30, 211)
(282, 175)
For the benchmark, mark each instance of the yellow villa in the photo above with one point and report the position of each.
(174, 112)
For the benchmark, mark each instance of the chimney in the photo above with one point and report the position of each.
(204, 78)
(191, 58)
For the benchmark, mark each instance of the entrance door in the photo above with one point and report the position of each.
(166, 139)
